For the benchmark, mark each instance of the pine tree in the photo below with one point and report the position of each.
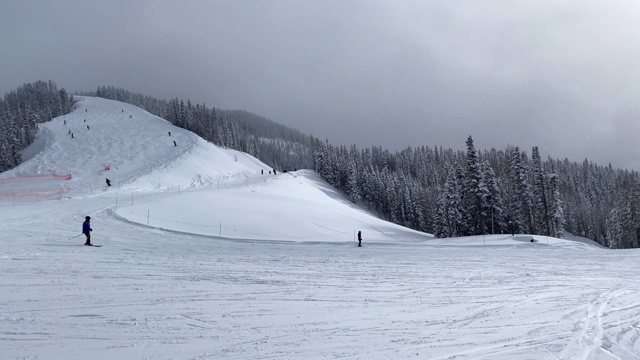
(540, 210)
(557, 208)
(494, 201)
(474, 193)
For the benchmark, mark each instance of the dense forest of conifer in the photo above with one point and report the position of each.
(441, 191)
(20, 113)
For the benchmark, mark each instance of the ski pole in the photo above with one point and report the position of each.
(75, 237)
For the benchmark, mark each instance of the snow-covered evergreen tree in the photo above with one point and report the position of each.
(541, 215)
(474, 193)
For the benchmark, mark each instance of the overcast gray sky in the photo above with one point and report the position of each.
(562, 75)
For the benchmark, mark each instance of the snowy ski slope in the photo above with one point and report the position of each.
(204, 257)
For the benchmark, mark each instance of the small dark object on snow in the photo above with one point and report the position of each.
(130, 116)
(174, 143)
(359, 239)
(87, 127)
(108, 182)
(169, 133)
(532, 240)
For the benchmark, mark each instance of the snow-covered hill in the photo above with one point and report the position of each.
(208, 255)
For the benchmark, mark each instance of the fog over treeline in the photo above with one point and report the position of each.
(446, 192)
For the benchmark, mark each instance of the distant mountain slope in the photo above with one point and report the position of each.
(229, 194)
(130, 141)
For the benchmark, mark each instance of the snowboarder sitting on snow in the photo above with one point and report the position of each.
(359, 239)
(86, 230)
(108, 182)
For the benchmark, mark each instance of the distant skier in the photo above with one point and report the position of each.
(359, 239)
(69, 133)
(72, 135)
(130, 116)
(262, 171)
(108, 182)
(85, 110)
(274, 171)
(87, 127)
(65, 121)
(169, 133)
(174, 143)
(86, 230)
(122, 110)
(85, 120)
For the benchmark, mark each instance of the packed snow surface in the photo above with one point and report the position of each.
(206, 257)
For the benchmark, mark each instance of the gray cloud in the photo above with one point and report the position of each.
(557, 74)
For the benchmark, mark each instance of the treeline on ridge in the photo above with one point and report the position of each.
(442, 191)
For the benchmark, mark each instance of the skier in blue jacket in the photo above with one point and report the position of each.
(86, 230)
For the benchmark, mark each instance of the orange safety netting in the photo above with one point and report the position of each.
(33, 194)
(38, 177)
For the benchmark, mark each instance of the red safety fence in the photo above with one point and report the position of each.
(33, 194)
(33, 187)
(38, 177)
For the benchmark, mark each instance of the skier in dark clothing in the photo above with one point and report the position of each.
(108, 182)
(72, 135)
(87, 127)
(86, 230)
(174, 143)
(169, 133)
(359, 239)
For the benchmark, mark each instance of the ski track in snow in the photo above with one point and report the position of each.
(157, 293)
